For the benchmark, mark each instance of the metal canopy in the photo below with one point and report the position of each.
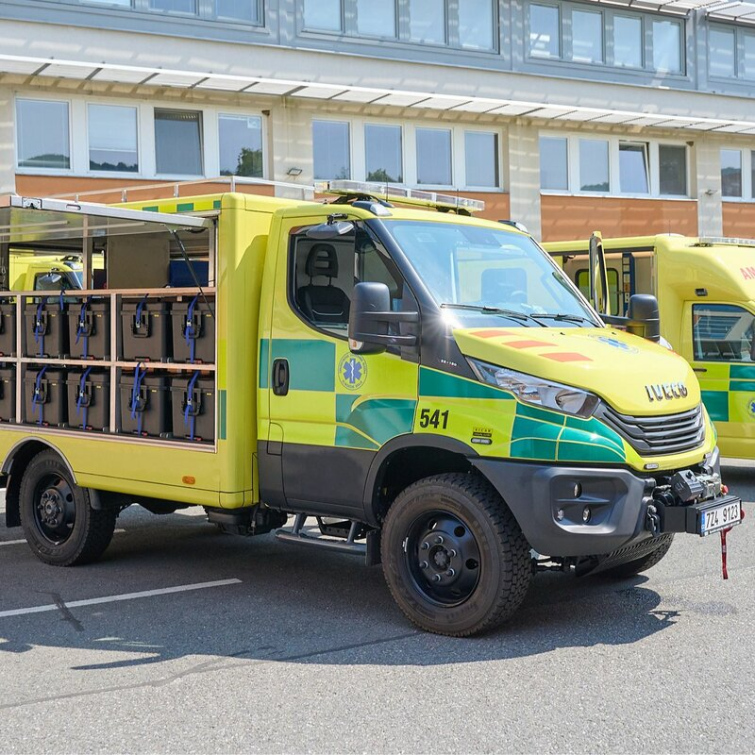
(729, 10)
(446, 102)
(26, 220)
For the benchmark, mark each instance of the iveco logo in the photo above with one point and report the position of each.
(661, 391)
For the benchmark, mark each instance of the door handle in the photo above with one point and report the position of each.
(280, 377)
(699, 369)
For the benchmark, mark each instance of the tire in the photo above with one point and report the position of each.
(632, 568)
(60, 525)
(454, 523)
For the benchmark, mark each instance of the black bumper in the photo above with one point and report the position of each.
(550, 504)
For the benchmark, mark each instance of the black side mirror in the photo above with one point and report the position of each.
(371, 318)
(644, 317)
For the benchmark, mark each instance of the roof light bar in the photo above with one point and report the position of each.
(400, 194)
(716, 240)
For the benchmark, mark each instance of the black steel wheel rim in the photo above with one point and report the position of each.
(54, 509)
(443, 557)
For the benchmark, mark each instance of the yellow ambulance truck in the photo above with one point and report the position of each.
(414, 386)
(706, 293)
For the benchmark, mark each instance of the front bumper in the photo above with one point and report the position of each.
(550, 504)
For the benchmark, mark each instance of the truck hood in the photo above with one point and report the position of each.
(623, 369)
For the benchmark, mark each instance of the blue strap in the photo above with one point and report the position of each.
(189, 334)
(190, 411)
(81, 329)
(80, 397)
(138, 378)
(62, 302)
(139, 309)
(39, 328)
(37, 400)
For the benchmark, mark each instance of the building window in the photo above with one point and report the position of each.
(633, 168)
(593, 165)
(672, 170)
(667, 46)
(434, 156)
(240, 139)
(587, 36)
(237, 10)
(731, 173)
(376, 20)
(43, 134)
(178, 142)
(174, 6)
(627, 41)
(481, 159)
(323, 15)
(113, 138)
(476, 26)
(383, 150)
(752, 174)
(427, 21)
(545, 40)
(748, 55)
(554, 164)
(332, 150)
(721, 58)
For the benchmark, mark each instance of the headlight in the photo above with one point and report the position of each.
(535, 390)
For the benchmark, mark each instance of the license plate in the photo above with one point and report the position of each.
(720, 517)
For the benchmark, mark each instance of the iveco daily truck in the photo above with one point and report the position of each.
(413, 385)
(706, 293)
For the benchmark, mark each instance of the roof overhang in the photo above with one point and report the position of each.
(108, 73)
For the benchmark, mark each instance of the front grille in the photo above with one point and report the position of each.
(655, 436)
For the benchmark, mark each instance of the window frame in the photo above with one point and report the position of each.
(202, 147)
(30, 170)
(724, 305)
(114, 173)
(747, 155)
(351, 147)
(263, 142)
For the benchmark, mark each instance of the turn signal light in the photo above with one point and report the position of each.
(188, 480)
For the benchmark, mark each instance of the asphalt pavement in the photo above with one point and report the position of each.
(185, 640)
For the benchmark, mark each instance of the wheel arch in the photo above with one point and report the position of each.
(15, 464)
(406, 459)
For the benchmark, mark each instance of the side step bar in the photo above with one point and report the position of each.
(369, 549)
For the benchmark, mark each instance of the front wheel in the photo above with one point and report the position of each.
(60, 525)
(453, 555)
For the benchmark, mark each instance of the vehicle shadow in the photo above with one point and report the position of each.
(294, 605)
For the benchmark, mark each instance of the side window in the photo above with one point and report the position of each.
(722, 333)
(324, 273)
(583, 284)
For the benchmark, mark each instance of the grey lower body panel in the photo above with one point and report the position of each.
(549, 508)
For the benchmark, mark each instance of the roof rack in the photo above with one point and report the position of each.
(715, 240)
(360, 190)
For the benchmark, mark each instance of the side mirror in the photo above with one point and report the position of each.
(644, 317)
(371, 318)
(598, 275)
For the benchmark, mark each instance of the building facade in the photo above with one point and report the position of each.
(631, 117)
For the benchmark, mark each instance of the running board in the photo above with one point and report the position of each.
(369, 550)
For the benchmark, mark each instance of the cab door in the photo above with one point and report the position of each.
(333, 410)
(720, 349)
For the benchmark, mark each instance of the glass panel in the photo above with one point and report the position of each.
(123, 3)
(627, 42)
(554, 172)
(322, 14)
(633, 168)
(376, 20)
(112, 138)
(42, 129)
(673, 170)
(434, 156)
(481, 159)
(242, 10)
(667, 46)
(731, 173)
(178, 142)
(722, 333)
(748, 67)
(593, 165)
(177, 6)
(476, 24)
(240, 145)
(383, 153)
(332, 152)
(752, 174)
(721, 52)
(544, 32)
(427, 21)
(587, 36)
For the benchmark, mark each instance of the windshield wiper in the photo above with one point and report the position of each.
(563, 317)
(510, 313)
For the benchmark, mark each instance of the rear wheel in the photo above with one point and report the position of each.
(453, 555)
(59, 522)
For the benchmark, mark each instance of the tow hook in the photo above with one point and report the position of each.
(653, 520)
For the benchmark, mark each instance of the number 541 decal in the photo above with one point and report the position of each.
(436, 419)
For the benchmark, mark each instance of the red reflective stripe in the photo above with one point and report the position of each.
(566, 356)
(493, 333)
(527, 344)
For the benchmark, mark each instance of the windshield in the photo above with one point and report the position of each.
(483, 271)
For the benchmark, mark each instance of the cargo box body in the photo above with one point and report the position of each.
(144, 404)
(193, 402)
(7, 394)
(89, 330)
(45, 397)
(46, 328)
(145, 328)
(193, 327)
(7, 329)
(89, 400)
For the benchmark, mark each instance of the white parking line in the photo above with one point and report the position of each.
(18, 542)
(116, 598)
